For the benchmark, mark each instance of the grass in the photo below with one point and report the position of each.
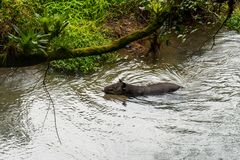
(85, 29)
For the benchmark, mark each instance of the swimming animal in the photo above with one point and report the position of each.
(121, 88)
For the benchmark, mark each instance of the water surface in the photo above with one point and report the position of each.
(200, 121)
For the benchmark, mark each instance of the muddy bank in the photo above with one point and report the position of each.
(192, 39)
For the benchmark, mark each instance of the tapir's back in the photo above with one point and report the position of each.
(160, 88)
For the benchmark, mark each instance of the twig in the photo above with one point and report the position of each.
(53, 106)
(37, 82)
(45, 118)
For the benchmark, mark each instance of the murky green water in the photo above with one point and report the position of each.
(200, 121)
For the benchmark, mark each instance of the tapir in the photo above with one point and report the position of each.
(122, 88)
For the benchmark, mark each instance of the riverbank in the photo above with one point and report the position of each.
(42, 27)
(189, 39)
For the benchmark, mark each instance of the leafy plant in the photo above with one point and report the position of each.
(156, 6)
(53, 25)
(83, 65)
(234, 22)
(30, 42)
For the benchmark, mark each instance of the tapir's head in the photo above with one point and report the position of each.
(116, 88)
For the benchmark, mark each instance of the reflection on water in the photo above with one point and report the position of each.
(200, 121)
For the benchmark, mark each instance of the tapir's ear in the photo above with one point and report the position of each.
(123, 85)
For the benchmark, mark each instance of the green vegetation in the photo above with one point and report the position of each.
(29, 42)
(43, 27)
(234, 22)
(83, 65)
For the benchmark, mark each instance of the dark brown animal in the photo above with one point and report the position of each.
(121, 88)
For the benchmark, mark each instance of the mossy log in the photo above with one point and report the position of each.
(21, 60)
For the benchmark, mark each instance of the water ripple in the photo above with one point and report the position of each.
(199, 121)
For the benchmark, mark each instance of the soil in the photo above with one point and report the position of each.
(124, 26)
(143, 47)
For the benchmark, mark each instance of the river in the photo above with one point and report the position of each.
(199, 121)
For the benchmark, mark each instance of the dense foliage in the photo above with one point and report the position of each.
(234, 21)
(41, 26)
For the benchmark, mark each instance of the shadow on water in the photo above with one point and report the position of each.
(199, 121)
